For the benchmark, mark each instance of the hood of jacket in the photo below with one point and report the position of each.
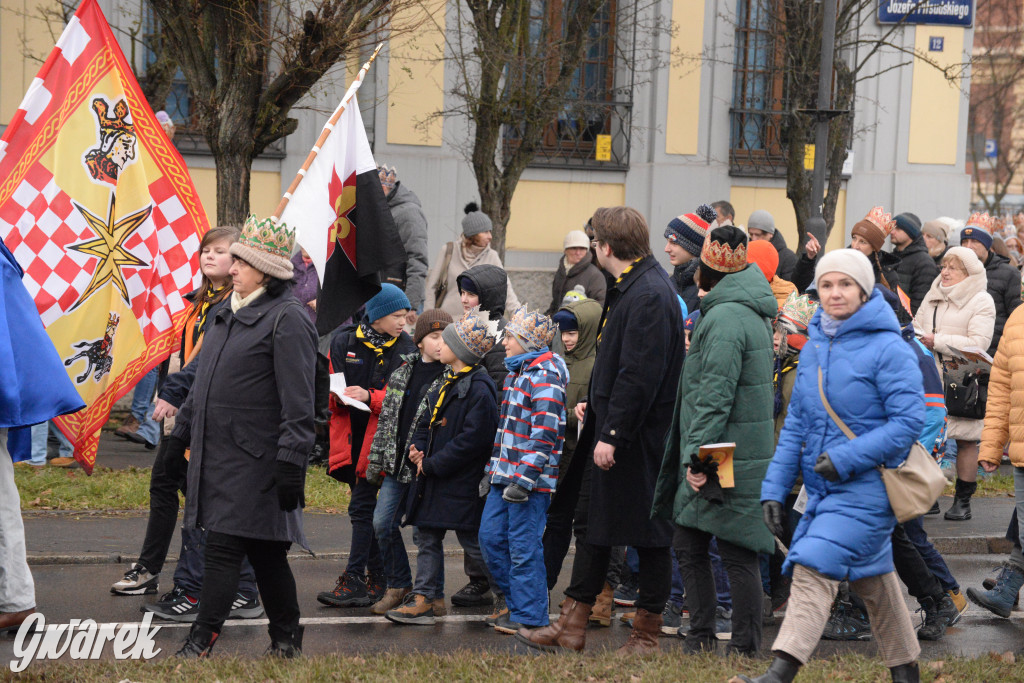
(491, 286)
(401, 197)
(588, 317)
(876, 315)
(747, 287)
(994, 260)
(961, 293)
(778, 241)
(916, 245)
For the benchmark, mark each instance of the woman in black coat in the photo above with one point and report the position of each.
(249, 423)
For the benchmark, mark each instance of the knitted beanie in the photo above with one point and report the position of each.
(688, 231)
(533, 330)
(475, 221)
(471, 336)
(874, 228)
(566, 321)
(577, 239)
(267, 246)
(761, 220)
(385, 302)
(725, 250)
(433, 320)
(849, 262)
(910, 224)
(936, 229)
(968, 258)
(979, 228)
(762, 253)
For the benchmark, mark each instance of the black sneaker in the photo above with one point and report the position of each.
(626, 594)
(376, 586)
(350, 592)
(174, 606)
(671, 619)
(136, 581)
(473, 594)
(246, 608)
(847, 623)
(937, 616)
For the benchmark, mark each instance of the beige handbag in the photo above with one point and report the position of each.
(914, 486)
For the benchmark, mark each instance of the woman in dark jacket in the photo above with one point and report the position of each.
(254, 388)
(576, 267)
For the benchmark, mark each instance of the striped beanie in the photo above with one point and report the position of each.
(690, 229)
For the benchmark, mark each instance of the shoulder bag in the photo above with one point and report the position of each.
(965, 397)
(441, 288)
(914, 486)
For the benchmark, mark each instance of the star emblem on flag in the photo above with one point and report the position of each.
(109, 248)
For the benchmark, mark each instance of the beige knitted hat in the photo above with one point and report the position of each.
(266, 246)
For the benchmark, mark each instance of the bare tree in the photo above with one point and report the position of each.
(997, 78)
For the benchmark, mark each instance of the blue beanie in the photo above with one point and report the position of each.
(973, 232)
(565, 320)
(388, 300)
(910, 224)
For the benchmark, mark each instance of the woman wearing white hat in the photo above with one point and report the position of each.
(576, 268)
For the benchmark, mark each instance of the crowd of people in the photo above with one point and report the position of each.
(712, 437)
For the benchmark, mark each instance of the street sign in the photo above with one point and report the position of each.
(603, 148)
(936, 43)
(991, 148)
(933, 12)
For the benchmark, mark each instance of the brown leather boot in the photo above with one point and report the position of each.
(643, 639)
(604, 608)
(568, 633)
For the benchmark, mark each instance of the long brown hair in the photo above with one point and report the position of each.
(203, 297)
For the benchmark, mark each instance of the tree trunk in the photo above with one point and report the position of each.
(233, 171)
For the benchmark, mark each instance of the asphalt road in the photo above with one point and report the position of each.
(67, 592)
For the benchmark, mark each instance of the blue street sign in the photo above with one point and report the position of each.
(991, 149)
(936, 43)
(935, 12)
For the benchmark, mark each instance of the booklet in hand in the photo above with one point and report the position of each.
(338, 386)
(721, 453)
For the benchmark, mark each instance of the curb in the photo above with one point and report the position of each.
(947, 545)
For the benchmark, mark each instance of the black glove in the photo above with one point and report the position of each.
(290, 481)
(484, 487)
(823, 466)
(320, 453)
(514, 493)
(711, 491)
(772, 510)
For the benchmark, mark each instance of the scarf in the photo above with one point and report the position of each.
(377, 341)
(471, 252)
(608, 312)
(782, 366)
(515, 363)
(238, 303)
(829, 325)
(450, 377)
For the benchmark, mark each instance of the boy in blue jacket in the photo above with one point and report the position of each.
(449, 449)
(524, 468)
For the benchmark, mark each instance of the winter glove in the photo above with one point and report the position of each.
(290, 481)
(712, 490)
(823, 466)
(772, 510)
(374, 474)
(514, 493)
(320, 453)
(484, 487)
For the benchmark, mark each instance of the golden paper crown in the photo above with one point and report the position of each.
(723, 258)
(881, 220)
(534, 326)
(267, 236)
(981, 220)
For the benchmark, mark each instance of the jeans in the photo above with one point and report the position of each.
(269, 559)
(917, 535)
(511, 538)
(17, 591)
(430, 559)
(142, 406)
(365, 553)
(692, 549)
(678, 590)
(386, 517)
(40, 435)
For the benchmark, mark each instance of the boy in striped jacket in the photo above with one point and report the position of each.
(524, 468)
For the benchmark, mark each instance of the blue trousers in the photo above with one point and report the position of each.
(386, 518)
(142, 406)
(511, 540)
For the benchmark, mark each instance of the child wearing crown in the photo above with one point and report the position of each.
(524, 468)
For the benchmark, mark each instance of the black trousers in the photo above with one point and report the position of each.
(911, 567)
(744, 572)
(559, 528)
(224, 553)
(167, 478)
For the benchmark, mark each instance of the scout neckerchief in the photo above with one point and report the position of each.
(617, 281)
(450, 378)
(377, 341)
(782, 366)
(197, 322)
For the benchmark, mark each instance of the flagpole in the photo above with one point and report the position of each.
(328, 129)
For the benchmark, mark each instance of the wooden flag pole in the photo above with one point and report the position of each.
(328, 129)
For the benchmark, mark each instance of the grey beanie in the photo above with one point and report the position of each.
(475, 221)
(849, 262)
(761, 220)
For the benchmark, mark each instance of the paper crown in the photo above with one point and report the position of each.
(798, 311)
(476, 331)
(980, 219)
(532, 326)
(881, 220)
(275, 239)
(388, 175)
(723, 258)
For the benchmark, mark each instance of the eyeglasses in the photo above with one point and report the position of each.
(595, 243)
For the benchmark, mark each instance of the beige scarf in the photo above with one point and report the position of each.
(238, 303)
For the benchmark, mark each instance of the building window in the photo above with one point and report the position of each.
(755, 143)
(592, 129)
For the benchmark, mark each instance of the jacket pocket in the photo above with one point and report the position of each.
(247, 441)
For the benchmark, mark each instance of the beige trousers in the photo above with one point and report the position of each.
(807, 612)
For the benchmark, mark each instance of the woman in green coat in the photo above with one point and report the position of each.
(725, 395)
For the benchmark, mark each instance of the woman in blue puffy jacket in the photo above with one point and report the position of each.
(873, 383)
